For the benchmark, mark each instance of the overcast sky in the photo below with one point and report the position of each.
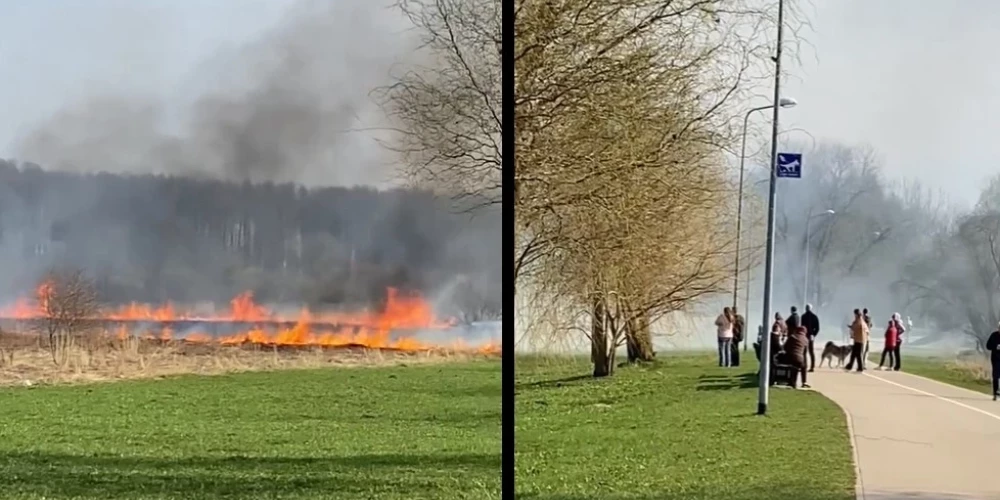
(277, 88)
(54, 52)
(912, 79)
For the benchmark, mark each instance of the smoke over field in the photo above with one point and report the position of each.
(254, 177)
(280, 108)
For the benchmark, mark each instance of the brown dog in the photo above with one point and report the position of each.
(831, 350)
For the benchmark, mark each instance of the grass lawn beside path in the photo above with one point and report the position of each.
(680, 428)
(968, 374)
(423, 431)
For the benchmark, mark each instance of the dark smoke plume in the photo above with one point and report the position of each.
(280, 108)
(270, 117)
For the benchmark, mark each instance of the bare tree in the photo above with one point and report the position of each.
(956, 281)
(68, 302)
(866, 224)
(447, 111)
(624, 114)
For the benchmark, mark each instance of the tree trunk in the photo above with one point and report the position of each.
(599, 351)
(631, 346)
(639, 340)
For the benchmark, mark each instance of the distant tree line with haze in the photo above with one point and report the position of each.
(156, 238)
(892, 245)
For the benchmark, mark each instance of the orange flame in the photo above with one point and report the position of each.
(369, 329)
(244, 309)
(42, 295)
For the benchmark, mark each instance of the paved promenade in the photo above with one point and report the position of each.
(915, 438)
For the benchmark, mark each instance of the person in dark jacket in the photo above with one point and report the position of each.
(993, 345)
(793, 322)
(739, 328)
(795, 353)
(868, 321)
(811, 323)
(778, 331)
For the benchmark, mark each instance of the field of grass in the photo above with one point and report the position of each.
(401, 432)
(970, 373)
(102, 358)
(678, 429)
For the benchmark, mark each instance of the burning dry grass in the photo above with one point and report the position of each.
(23, 361)
(390, 327)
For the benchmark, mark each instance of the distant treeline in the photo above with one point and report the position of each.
(155, 238)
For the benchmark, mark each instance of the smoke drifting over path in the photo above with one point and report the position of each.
(280, 108)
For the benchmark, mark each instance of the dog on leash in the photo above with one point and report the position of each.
(831, 350)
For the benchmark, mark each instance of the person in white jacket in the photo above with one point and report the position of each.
(724, 331)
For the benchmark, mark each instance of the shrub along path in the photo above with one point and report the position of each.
(680, 428)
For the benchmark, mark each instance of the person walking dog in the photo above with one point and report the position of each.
(859, 334)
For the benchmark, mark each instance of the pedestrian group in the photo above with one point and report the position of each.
(793, 342)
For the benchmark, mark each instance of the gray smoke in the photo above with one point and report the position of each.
(281, 108)
(286, 107)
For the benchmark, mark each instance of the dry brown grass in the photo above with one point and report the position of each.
(975, 366)
(24, 361)
(970, 370)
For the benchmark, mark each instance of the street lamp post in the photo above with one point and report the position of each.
(805, 279)
(785, 102)
(765, 350)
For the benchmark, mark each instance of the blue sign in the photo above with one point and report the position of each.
(790, 165)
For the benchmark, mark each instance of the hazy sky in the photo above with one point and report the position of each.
(54, 52)
(278, 86)
(913, 79)
(910, 78)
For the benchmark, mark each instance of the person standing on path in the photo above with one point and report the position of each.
(993, 345)
(739, 330)
(859, 334)
(891, 342)
(793, 322)
(724, 330)
(795, 354)
(900, 330)
(811, 322)
(868, 321)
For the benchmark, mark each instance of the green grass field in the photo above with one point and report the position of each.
(679, 429)
(949, 371)
(428, 431)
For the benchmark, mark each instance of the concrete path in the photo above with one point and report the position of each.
(915, 438)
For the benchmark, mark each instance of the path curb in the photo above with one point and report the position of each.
(859, 483)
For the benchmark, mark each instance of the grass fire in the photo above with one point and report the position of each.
(245, 323)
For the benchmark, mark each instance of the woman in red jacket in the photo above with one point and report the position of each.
(891, 341)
